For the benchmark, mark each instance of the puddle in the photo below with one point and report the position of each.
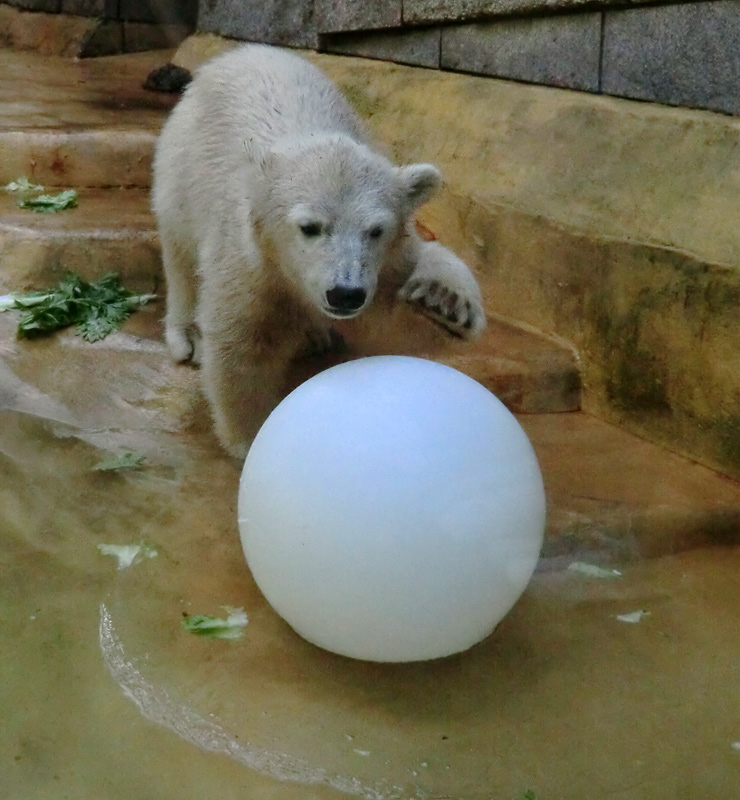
(104, 694)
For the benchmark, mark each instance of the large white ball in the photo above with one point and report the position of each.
(392, 509)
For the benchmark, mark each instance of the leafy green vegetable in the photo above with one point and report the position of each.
(204, 625)
(96, 309)
(128, 554)
(120, 462)
(50, 203)
(22, 186)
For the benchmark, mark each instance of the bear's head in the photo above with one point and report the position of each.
(333, 213)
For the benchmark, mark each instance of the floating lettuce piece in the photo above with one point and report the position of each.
(216, 628)
(22, 186)
(128, 554)
(634, 617)
(50, 203)
(120, 462)
(96, 309)
(592, 571)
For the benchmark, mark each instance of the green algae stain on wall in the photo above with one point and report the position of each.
(662, 341)
(634, 375)
(360, 99)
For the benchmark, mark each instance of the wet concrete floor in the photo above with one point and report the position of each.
(105, 695)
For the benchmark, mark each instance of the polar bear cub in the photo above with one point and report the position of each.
(276, 217)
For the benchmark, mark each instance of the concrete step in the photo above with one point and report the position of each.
(113, 230)
(612, 497)
(615, 496)
(102, 134)
(79, 123)
(621, 240)
(110, 230)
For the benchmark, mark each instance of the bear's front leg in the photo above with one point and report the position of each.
(242, 389)
(442, 287)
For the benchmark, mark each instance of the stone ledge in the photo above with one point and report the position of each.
(87, 158)
(612, 495)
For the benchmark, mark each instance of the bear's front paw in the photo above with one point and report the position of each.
(460, 315)
(322, 341)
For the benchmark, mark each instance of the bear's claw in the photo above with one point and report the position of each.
(458, 315)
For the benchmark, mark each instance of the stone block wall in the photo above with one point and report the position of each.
(281, 22)
(678, 53)
(115, 26)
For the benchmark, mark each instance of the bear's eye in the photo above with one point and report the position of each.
(311, 229)
(375, 232)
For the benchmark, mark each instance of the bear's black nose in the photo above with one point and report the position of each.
(345, 300)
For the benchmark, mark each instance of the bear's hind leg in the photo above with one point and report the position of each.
(181, 332)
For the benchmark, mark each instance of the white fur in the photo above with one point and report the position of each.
(276, 216)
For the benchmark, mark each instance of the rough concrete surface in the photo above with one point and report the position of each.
(425, 11)
(62, 122)
(559, 51)
(90, 30)
(419, 47)
(272, 21)
(108, 231)
(686, 55)
(349, 15)
(48, 34)
(564, 699)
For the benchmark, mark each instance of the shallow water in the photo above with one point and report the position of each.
(104, 694)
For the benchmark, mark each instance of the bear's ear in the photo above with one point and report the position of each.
(420, 182)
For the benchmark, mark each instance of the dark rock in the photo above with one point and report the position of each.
(169, 78)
